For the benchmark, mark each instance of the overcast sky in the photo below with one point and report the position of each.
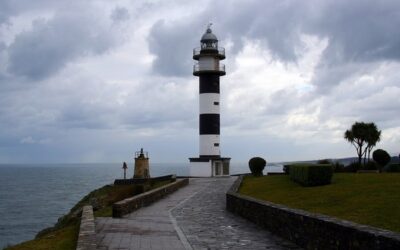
(94, 81)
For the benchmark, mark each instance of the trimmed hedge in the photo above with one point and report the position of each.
(311, 174)
(393, 167)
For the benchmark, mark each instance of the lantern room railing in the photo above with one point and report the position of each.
(198, 51)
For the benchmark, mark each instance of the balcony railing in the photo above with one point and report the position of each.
(197, 52)
(218, 68)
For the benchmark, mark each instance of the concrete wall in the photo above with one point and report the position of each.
(209, 103)
(129, 205)
(200, 169)
(144, 180)
(208, 63)
(87, 232)
(308, 230)
(207, 145)
(141, 168)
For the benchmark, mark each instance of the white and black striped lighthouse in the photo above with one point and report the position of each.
(209, 69)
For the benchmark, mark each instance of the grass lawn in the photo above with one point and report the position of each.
(62, 239)
(64, 235)
(370, 199)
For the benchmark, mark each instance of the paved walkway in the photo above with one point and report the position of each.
(194, 217)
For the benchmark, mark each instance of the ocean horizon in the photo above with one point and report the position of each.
(34, 196)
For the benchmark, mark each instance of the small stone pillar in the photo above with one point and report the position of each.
(124, 167)
(141, 165)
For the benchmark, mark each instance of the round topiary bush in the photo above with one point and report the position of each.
(257, 165)
(381, 157)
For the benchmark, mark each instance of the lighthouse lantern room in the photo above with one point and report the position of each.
(209, 69)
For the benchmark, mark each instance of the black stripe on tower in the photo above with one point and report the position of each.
(209, 124)
(209, 83)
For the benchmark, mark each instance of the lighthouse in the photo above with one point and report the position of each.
(209, 70)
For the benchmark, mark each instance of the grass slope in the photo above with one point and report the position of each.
(370, 199)
(61, 239)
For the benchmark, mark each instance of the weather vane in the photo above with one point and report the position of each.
(209, 25)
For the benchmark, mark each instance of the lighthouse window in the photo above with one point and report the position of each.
(216, 103)
(216, 144)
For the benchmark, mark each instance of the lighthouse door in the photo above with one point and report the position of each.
(218, 168)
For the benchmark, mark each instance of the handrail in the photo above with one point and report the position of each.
(196, 51)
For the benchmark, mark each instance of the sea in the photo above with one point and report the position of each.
(33, 197)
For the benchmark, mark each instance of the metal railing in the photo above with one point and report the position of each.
(196, 51)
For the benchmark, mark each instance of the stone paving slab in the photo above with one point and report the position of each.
(194, 217)
(150, 227)
(207, 225)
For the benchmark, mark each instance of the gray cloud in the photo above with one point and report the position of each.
(232, 21)
(120, 14)
(358, 32)
(51, 44)
(11, 8)
(172, 44)
(106, 106)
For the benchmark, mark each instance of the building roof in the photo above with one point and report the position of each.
(208, 36)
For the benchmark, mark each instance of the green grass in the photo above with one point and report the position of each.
(64, 235)
(370, 199)
(61, 239)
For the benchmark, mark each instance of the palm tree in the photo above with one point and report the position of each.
(373, 137)
(363, 136)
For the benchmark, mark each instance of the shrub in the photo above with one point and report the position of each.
(338, 167)
(395, 167)
(381, 157)
(286, 169)
(324, 161)
(352, 167)
(311, 174)
(370, 165)
(257, 165)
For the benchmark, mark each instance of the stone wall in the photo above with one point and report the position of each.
(308, 230)
(87, 232)
(129, 205)
(144, 180)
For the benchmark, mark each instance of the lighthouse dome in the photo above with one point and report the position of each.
(208, 36)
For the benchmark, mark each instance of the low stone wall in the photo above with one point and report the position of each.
(308, 230)
(87, 232)
(129, 205)
(143, 180)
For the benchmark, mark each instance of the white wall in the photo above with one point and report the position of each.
(207, 145)
(206, 103)
(208, 63)
(200, 169)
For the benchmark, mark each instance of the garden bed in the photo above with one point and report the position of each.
(370, 199)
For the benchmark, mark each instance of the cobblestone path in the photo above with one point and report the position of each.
(207, 225)
(193, 217)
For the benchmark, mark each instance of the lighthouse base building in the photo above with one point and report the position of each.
(209, 70)
(205, 167)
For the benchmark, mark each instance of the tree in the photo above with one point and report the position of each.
(363, 136)
(373, 136)
(381, 157)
